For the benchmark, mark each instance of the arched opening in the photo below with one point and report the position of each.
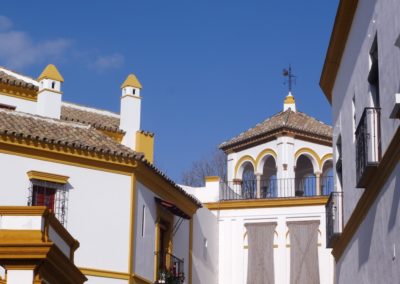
(305, 183)
(327, 178)
(268, 178)
(53, 85)
(248, 181)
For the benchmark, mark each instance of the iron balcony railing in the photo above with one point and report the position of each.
(276, 188)
(170, 269)
(334, 217)
(368, 145)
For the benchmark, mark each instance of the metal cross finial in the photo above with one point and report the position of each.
(290, 77)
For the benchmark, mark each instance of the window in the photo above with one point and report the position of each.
(49, 190)
(143, 219)
(43, 196)
(133, 91)
(373, 75)
(53, 85)
(339, 160)
(353, 109)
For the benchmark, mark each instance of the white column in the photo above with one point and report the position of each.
(258, 178)
(317, 183)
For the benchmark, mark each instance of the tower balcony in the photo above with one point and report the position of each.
(276, 188)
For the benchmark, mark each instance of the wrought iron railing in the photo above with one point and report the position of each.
(276, 188)
(52, 195)
(170, 269)
(334, 217)
(368, 144)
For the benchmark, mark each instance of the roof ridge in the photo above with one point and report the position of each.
(47, 119)
(91, 109)
(2, 68)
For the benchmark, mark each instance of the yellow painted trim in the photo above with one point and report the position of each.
(263, 203)
(145, 144)
(164, 189)
(190, 251)
(104, 273)
(132, 220)
(308, 151)
(289, 100)
(22, 210)
(337, 43)
(325, 158)
(18, 92)
(212, 178)
(386, 166)
(163, 216)
(49, 90)
(117, 136)
(64, 155)
(47, 177)
(51, 72)
(264, 153)
(243, 159)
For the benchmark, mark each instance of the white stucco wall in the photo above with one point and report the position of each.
(233, 254)
(205, 249)
(98, 208)
(371, 17)
(369, 256)
(19, 276)
(145, 244)
(20, 104)
(181, 245)
(373, 255)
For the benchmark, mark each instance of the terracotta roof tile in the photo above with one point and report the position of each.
(93, 118)
(13, 81)
(289, 120)
(64, 133)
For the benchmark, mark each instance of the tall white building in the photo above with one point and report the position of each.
(74, 176)
(361, 79)
(271, 209)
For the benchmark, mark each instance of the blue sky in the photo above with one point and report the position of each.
(210, 69)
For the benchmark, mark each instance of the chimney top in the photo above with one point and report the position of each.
(51, 72)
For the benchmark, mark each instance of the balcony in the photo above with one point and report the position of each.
(334, 218)
(170, 269)
(276, 188)
(368, 145)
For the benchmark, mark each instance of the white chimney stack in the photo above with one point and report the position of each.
(49, 95)
(130, 110)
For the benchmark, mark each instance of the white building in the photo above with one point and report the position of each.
(93, 169)
(361, 79)
(271, 211)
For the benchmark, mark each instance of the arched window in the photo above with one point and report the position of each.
(53, 85)
(248, 181)
(268, 179)
(305, 183)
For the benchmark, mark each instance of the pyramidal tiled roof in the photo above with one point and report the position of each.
(288, 120)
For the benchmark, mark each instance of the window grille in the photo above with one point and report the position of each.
(50, 194)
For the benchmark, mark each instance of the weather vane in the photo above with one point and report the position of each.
(291, 79)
